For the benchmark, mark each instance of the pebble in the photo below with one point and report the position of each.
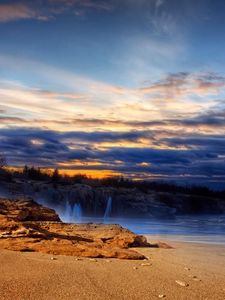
(187, 269)
(196, 279)
(108, 260)
(135, 268)
(182, 283)
(78, 258)
(53, 258)
(93, 259)
(162, 296)
(145, 265)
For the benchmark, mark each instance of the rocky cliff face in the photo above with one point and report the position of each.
(28, 226)
(26, 210)
(125, 202)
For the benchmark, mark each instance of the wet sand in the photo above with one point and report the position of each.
(31, 276)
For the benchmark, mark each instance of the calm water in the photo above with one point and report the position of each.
(201, 229)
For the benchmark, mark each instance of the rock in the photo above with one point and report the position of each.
(182, 283)
(197, 279)
(53, 258)
(145, 265)
(26, 210)
(187, 269)
(28, 226)
(93, 260)
(162, 296)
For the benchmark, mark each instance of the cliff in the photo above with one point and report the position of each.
(125, 202)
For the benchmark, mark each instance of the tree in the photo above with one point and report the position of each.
(2, 161)
(55, 176)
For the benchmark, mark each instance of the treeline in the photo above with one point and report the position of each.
(38, 174)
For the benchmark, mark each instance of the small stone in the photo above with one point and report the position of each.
(145, 265)
(93, 259)
(53, 258)
(187, 269)
(108, 260)
(135, 268)
(162, 296)
(182, 283)
(196, 279)
(78, 258)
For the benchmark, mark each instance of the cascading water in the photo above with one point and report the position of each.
(73, 213)
(68, 212)
(77, 212)
(108, 208)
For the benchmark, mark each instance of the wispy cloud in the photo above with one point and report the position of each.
(19, 11)
(186, 84)
(25, 10)
(174, 97)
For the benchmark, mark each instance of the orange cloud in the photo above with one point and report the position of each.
(184, 84)
(18, 11)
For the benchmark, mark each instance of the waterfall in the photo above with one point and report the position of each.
(77, 212)
(73, 213)
(108, 208)
(68, 212)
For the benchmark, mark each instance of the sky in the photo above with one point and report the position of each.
(117, 87)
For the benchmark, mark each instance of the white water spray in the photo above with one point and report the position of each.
(108, 209)
(72, 213)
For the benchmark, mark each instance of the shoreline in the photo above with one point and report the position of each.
(39, 276)
(191, 239)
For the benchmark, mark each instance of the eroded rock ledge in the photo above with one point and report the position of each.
(28, 226)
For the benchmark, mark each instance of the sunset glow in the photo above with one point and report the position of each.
(114, 87)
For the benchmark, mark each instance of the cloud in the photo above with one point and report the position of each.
(186, 84)
(24, 10)
(19, 11)
(203, 157)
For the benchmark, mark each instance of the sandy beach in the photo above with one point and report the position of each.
(38, 276)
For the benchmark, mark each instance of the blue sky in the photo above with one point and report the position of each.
(128, 87)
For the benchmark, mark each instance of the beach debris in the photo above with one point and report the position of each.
(145, 265)
(162, 296)
(182, 283)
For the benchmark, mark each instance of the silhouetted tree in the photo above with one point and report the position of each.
(2, 161)
(55, 176)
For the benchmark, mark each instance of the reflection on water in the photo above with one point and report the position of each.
(202, 229)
